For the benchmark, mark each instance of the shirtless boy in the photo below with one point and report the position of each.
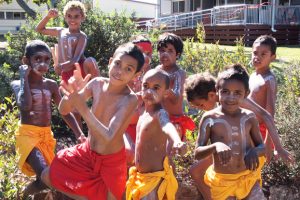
(71, 41)
(145, 46)
(34, 94)
(235, 141)
(263, 86)
(97, 169)
(152, 177)
(170, 48)
(200, 92)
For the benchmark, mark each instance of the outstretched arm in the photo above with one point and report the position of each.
(117, 124)
(269, 122)
(41, 27)
(169, 129)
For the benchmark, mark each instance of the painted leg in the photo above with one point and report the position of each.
(37, 161)
(197, 172)
(256, 193)
(90, 67)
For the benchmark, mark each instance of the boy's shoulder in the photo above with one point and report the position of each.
(247, 112)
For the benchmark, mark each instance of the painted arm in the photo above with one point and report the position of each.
(80, 47)
(120, 120)
(169, 129)
(271, 95)
(203, 150)
(41, 27)
(177, 91)
(251, 157)
(22, 89)
(269, 122)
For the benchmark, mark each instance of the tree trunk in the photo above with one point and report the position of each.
(27, 9)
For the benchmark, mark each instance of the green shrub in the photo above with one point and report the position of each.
(287, 121)
(197, 57)
(11, 180)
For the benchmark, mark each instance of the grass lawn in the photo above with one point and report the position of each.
(285, 54)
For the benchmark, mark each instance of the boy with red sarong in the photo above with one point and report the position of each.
(170, 48)
(97, 169)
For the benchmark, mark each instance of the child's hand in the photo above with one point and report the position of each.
(286, 156)
(75, 82)
(224, 152)
(24, 70)
(53, 13)
(251, 159)
(179, 148)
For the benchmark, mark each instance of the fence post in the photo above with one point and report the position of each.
(245, 14)
(175, 21)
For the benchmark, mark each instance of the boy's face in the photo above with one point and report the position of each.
(39, 62)
(231, 94)
(262, 56)
(167, 55)
(74, 18)
(205, 104)
(153, 89)
(122, 69)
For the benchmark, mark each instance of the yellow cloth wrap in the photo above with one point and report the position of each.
(28, 137)
(238, 185)
(139, 185)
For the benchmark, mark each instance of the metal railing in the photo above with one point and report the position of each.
(241, 14)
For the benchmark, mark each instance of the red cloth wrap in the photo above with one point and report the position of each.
(145, 46)
(185, 123)
(67, 75)
(81, 171)
(263, 131)
(131, 131)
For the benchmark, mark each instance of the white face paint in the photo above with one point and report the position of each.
(150, 93)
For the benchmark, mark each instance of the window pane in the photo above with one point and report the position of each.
(17, 15)
(181, 6)
(23, 15)
(295, 2)
(9, 15)
(1, 15)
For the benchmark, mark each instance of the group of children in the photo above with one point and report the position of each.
(137, 119)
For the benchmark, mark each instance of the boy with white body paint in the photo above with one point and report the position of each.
(71, 42)
(262, 82)
(239, 150)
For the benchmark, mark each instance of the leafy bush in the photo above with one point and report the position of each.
(287, 121)
(11, 180)
(197, 57)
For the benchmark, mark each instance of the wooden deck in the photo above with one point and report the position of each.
(227, 34)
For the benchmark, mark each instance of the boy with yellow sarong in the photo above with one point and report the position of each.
(235, 141)
(34, 93)
(152, 176)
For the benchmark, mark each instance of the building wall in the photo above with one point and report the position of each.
(165, 7)
(142, 8)
(12, 24)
